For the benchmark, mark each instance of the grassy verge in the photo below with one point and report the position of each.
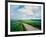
(17, 26)
(33, 22)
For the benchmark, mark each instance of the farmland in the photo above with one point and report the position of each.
(17, 25)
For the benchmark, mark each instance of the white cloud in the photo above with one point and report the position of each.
(28, 12)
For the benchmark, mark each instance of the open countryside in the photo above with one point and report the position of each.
(25, 17)
(25, 25)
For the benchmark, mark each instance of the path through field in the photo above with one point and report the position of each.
(30, 27)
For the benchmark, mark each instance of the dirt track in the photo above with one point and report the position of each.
(29, 27)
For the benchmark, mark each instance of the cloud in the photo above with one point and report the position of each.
(25, 12)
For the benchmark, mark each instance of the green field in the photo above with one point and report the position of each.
(17, 25)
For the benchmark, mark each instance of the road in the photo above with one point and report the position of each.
(30, 27)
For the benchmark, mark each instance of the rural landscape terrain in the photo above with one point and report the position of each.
(25, 25)
(25, 17)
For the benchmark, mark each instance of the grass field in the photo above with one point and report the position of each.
(17, 25)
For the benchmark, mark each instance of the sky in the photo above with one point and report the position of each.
(25, 12)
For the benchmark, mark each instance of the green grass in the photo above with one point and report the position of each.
(34, 22)
(17, 25)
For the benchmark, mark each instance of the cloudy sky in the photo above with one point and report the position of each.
(25, 12)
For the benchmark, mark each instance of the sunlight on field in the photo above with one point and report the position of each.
(17, 25)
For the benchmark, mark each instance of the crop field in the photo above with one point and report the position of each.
(17, 25)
